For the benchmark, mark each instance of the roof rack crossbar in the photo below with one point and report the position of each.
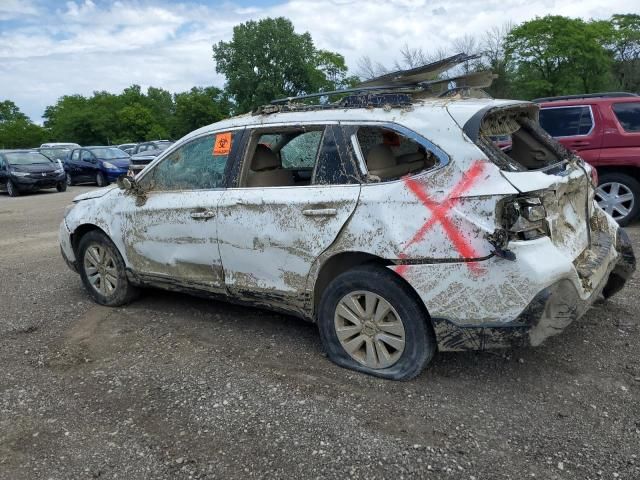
(585, 95)
(280, 101)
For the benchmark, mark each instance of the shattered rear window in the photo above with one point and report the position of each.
(532, 148)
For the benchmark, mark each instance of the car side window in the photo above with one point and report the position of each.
(75, 156)
(283, 157)
(628, 114)
(197, 165)
(301, 151)
(389, 155)
(87, 156)
(566, 121)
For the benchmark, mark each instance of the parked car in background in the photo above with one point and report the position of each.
(127, 147)
(59, 145)
(28, 171)
(55, 153)
(100, 165)
(604, 129)
(146, 156)
(150, 145)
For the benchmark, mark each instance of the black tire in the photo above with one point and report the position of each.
(11, 189)
(61, 186)
(70, 181)
(631, 184)
(420, 343)
(100, 180)
(124, 292)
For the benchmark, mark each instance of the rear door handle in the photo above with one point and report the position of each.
(320, 212)
(203, 215)
(579, 144)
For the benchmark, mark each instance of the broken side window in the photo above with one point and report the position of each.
(197, 165)
(285, 156)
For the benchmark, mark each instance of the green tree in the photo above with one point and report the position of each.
(267, 59)
(16, 130)
(625, 47)
(557, 55)
(199, 107)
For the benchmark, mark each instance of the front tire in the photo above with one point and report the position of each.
(103, 271)
(11, 189)
(61, 186)
(618, 194)
(100, 180)
(370, 321)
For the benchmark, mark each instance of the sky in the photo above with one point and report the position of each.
(52, 48)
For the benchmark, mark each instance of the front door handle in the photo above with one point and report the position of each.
(320, 212)
(203, 215)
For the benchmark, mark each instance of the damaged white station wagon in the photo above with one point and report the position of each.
(390, 218)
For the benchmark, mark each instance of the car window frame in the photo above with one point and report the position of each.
(237, 144)
(254, 132)
(593, 120)
(443, 157)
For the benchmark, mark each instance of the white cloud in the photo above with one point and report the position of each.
(86, 45)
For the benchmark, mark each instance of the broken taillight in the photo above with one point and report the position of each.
(525, 218)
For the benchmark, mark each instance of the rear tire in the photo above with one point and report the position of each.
(70, 181)
(370, 321)
(100, 180)
(11, 189)
(103, 271)
(618, 194)
(61, 186)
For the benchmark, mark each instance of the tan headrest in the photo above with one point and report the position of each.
(380, 157)
(264, 159)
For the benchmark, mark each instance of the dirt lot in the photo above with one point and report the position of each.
(178, 387)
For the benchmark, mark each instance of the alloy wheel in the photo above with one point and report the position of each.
(369, 329)
(616, 199)
(100, 267)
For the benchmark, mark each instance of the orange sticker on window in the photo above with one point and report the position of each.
(223, 144)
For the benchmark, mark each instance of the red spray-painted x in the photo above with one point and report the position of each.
(439, 214)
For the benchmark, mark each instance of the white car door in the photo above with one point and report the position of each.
(270, 235)
(172, 237)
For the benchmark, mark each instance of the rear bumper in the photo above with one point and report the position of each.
(526, 301)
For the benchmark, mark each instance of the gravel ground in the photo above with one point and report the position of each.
(179, 387)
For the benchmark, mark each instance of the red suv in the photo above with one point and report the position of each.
(604, 128)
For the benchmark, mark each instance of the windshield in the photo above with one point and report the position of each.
(109, 153)
(163, 145)
(25, 158)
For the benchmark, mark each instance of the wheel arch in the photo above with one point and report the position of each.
(341, 262)
(81, 231)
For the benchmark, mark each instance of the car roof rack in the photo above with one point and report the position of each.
(393, 89)
(585, 95)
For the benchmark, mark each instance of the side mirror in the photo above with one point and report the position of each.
(125, 182)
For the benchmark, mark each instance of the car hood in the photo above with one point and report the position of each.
(101, 192)
(35, 167)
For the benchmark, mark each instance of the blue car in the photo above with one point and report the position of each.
(99, 165)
